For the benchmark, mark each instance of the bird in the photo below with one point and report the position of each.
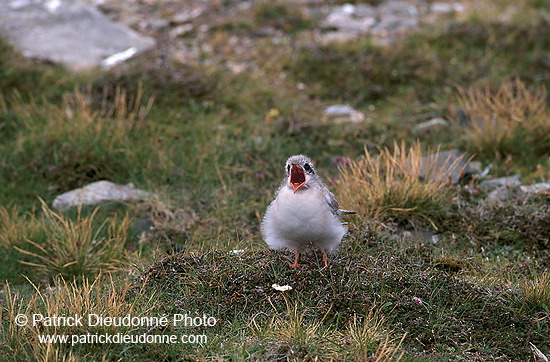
(303, 213)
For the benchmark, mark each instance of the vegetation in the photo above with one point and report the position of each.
(399, 185)
(511, 121)
(429, 270)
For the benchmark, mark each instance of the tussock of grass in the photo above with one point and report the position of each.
(15, 228)
(77, 248)
(97, 296)
(509, 121)
(534, 294)
(398, 185)
(110, 122)
(297, 333)
(301, 334)
(370, 338)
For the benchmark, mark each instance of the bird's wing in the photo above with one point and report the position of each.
(331, 201)
(347, 212)
(333, 204)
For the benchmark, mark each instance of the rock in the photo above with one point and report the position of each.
(68, 32)
(350, 18)
(158, 24)
(390, 18)
(444, 160)
(395, 18)
(505, 192)
(475, 167)
(98, 193)
(510, 188)
(386, 21)
(492, 184)
(187, 15)
(446, 8)
(542, 187)
(435, 125)
(341, 113)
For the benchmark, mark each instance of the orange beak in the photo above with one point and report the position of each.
(297, 177)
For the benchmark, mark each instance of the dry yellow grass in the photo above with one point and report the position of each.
(398, 185)
(14, 229)
(535, 293)
(76, 248)
(366, 338)
(99, 297)
(112, 119)
(371, 340)
(509, 121)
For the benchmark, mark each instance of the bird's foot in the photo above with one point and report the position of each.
(296, 257)
(325, 260)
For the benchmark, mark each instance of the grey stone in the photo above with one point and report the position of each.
(517, 191)
(98, 193)
(68, 32)
(446, 8)
(396, 17)
(474, 167)
(444, 160)
(341, 113)
(435, 125)
(505, 192)
(187, 15)
(492, 184)
(351, 18)
(536, 188)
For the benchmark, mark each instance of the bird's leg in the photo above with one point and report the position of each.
(296, 257)
(325, 259)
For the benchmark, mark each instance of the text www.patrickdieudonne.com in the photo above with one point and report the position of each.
(94, 320)
(122, 338)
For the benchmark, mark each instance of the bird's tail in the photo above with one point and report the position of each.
(347, 212)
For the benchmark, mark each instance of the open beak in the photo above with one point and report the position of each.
(297, 177)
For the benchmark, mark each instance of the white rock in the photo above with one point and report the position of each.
(506, 192)
(341, 113)
(187, 15)
(511, 188)
(501, 181)
(446, 8)
(68, 32)
(536, 188)
(432, 126)
(97, 193)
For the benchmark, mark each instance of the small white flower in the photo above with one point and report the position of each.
(281, 288)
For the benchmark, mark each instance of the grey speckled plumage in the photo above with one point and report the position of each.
(304, 212)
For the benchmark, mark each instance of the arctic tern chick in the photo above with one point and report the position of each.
(303, 213)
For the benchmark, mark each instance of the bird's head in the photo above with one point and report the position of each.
(299, 170)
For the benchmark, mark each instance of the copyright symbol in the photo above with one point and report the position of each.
(21, 320)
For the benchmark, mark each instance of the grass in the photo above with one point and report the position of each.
(96, 296)
(510, 121)
(398, 185)
(79, 248)
(534, 294)
(212, 144)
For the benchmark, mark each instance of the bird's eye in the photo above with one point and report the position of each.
(287, 168)
(307, 167)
